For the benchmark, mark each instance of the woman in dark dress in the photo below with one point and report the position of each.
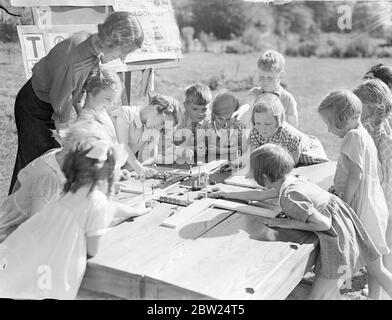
(46, 100)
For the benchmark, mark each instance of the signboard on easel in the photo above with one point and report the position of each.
(36, 41)
(55, 20)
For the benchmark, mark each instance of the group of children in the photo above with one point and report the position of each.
(61, 204)
(353, 219)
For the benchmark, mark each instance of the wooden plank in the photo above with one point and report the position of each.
(236, 256)
(246, 209)
(68, 15)
(187, 214)
(158, 290)
(288, 274)
(321, 174)
(239, 179)
(137, 247)
(272, 204)
(108, 280)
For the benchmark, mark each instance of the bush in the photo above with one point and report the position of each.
(301, 19)
(222, 18)
(291, 50)
(360, 47)
(251, 37)
(216, 81)
(8, 32)
(238, 48)
(384, 52)
(187, 36)
(307, 49)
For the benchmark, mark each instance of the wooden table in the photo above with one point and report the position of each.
(221, 254)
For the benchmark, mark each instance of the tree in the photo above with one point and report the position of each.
(223, 18)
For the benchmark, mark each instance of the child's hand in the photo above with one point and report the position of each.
(125, 175)
(218, 194)
(332, 190)
(283, 223)
(149, 172)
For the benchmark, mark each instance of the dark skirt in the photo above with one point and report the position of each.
(34, 123)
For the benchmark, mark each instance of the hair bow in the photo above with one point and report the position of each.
(101, 148)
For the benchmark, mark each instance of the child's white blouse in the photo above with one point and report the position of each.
(46, 256)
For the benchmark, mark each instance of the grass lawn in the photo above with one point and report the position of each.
(308, 79)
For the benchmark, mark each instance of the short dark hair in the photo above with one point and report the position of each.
(198, 94)
(167, 105)
(272, 161)
(80, 170)
(225, 98)
(382, 72)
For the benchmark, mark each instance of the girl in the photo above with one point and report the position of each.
(41, 181)
(224, 134)
(376, 100)
(356, 179)
(46, 100)
(345, 246)
(269, 127)
(103, 89)
(382, 72)
(140, 129)
(46, 255)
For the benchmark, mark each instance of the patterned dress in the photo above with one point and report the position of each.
(346, 246)
(383, 141)
(310, 148)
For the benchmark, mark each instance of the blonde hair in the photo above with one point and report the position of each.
(120, 29)
(377, 97)
(224, 98)
(340, 106)
(102, 78)
(271, 60)
(269, 102)
(82, 130)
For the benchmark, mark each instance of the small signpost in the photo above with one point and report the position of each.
(55, 20)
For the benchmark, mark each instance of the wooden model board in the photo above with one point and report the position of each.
(220, 255)
(321, 174)
(188, 214)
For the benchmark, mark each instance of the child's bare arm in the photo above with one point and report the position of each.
(315, 222)
(122, 132)
(121, 210)
(352, 182)
(93, 243)
(251, 195)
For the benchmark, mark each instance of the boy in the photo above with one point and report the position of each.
(191, 129)
(270, 69)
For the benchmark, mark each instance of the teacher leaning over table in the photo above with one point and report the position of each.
(46, 100)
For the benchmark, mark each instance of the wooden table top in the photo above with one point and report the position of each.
(220, 254)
